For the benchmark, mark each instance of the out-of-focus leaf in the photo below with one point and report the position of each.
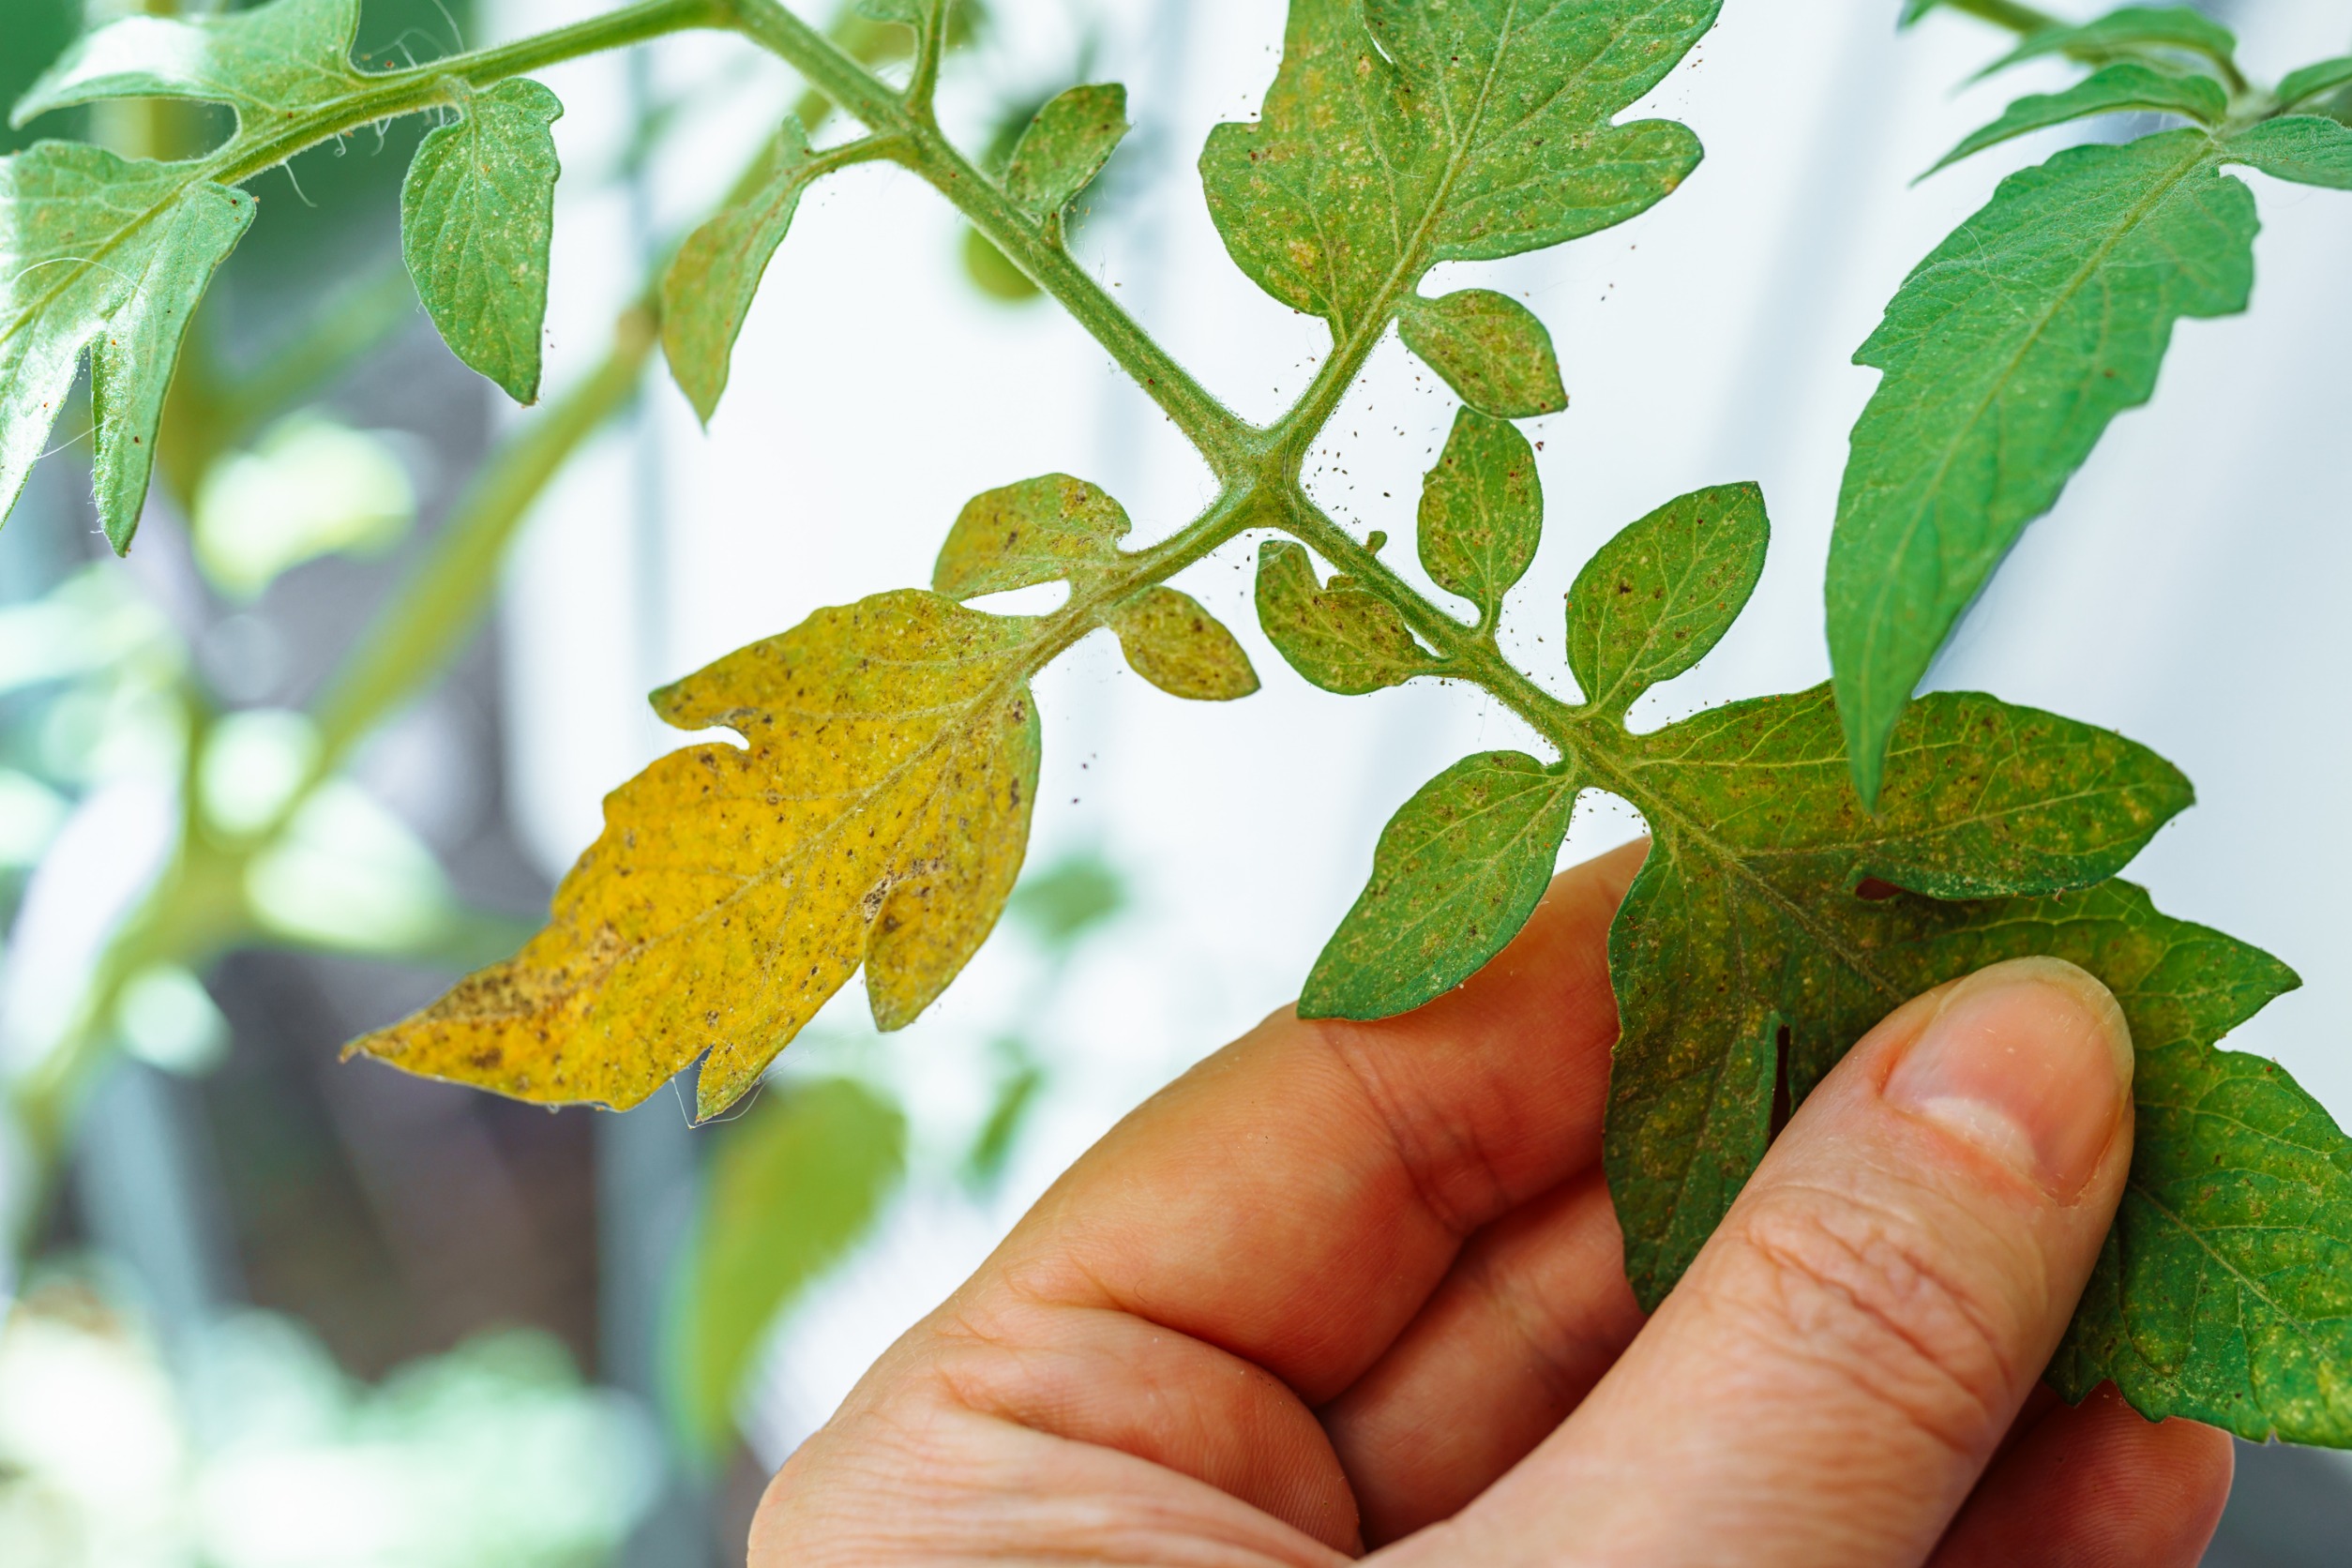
(103, 253)
(269, 63)
(2125, 86)
(309, 486)
(2006, 353)
(1066, 146)
(993, 272)
(2308, 149)
(1065, 900)
(1398, 134)
(1337, 635)
(876, 815)
(2308, 81)
(1181, 648)
(796, 1181)
(477, 213)
(1482, 512)
(708, 290)
(1489, 348)
(2177, 29)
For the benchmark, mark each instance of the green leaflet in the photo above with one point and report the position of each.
(1457, 872)
(1749, 913)
(2308, 149)
(2006, 353)
(2221, 1292)
(103, 253)
(269, 63)
(2308, 81)
(1399, 134)
(1054, 529)
(1339, 635)
(1656, 599)
(1181, 648)
(1064, 147)
(476, 212)
(1482, 512)
(2130, 27)
(2113, 89)
(1489, 348)
(794, 1184)
(708, 290)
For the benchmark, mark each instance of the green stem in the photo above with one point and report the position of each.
(1229, 443)
(430, 618)
(390, 93)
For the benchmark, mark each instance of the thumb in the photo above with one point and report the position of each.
(1846, 1352)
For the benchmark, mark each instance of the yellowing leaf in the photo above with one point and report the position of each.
(1181, 648)
(877, 814)
(1338, 636)
(1055, 529)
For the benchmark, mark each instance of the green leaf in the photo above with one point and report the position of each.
(2006, 353)
(794, 1184)
(476, 212)
(1489, 348)
(1751, 918)
(876, 815)
(269, 63)
(1181, 648)
(1914, 9)
(2114, 89)
(709, 287)
(1064, 147)
(1399, 134)
(2310, 80)
(1656, 599)
(1457, 872)
(1482, 512)
(1339, 635)
(101, 253)
(2128, 28)
(1042, 529)
(2225, 1291)
(2308, 149)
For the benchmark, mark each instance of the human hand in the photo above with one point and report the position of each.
(1346, 1285)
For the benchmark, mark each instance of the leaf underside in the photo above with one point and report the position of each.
(709, 287)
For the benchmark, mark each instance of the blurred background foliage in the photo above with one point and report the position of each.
(263, 1309)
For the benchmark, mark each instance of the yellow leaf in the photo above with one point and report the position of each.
(878, 813)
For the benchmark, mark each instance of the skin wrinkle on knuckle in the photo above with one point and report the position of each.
(1453, 1177)
(1869, 1292)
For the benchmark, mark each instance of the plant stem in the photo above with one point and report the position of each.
(388, 94)
(1229, 443)
(430, 618)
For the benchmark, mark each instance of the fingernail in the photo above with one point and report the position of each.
(2028, 1060)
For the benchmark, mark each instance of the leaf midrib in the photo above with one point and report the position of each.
(2138, 214)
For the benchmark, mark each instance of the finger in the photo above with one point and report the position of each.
(1295, 1197)
(1848, 1348)
(1248, 1242)
(2095, 1487)
(1533, 1313)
